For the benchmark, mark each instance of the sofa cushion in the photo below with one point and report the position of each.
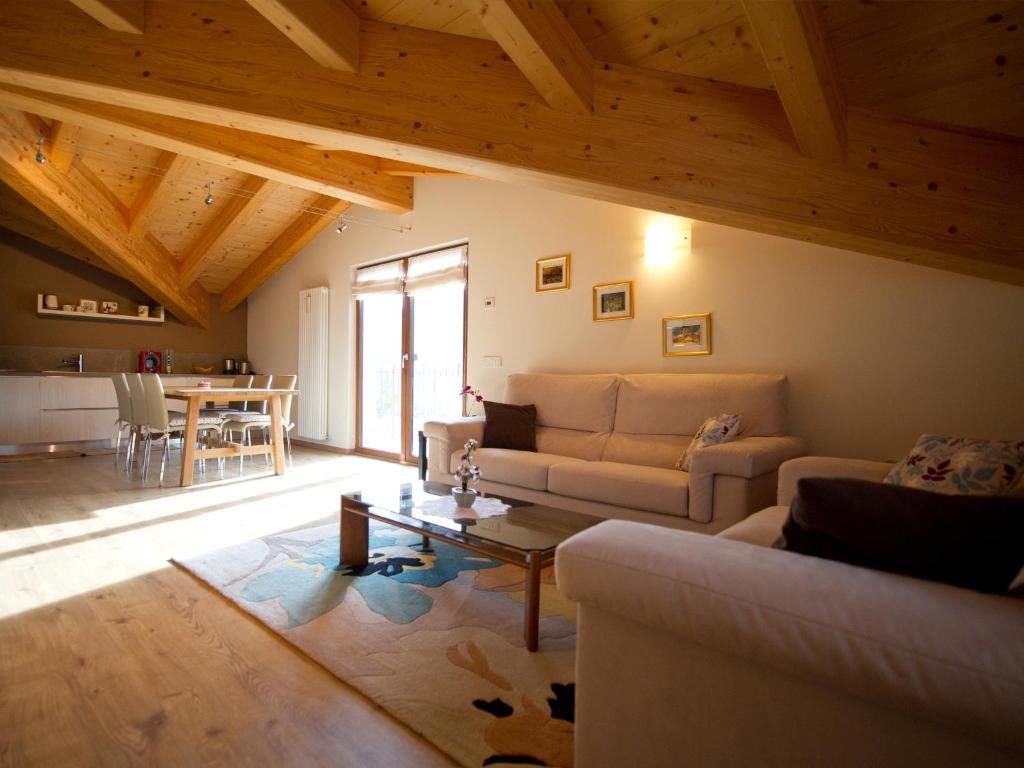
(651, 489)
(649, 450)
(762, 528)
(715, 430)
(583, 402)
(510, 426)
(960, 465)
(677, 404)
(525, 469)
(966, 541)
(571, 442)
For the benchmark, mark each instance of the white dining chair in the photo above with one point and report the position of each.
(139, 416)
(255, 419)
(124, 413)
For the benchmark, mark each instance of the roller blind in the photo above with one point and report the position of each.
(378, 279)
(436, 270)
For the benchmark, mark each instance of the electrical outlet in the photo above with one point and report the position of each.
(492, 361)
(489, 302)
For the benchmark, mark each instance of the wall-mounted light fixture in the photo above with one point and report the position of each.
(666, 240)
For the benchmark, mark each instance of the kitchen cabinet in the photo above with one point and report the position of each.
(19, 409)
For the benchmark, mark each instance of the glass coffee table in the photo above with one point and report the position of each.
(526, 535)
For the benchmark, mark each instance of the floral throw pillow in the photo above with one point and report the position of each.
(960, 465)
(718, 429)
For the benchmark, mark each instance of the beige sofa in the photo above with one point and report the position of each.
(720, 651)
(607, 445)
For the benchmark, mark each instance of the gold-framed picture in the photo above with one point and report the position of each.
(686, 335)
(613, 301)
(553, 273)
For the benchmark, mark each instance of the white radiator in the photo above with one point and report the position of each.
(312, 384)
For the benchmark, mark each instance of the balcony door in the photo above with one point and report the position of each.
(411, 349)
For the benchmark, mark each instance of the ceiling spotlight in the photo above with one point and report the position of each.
(342, 227)
(209, 193)
(40, 157)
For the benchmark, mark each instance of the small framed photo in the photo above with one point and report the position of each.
(613, 301)
(686, 335)
(553, 273)
(86, 305)
(108, 307)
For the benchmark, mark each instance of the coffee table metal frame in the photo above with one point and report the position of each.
(355, 550)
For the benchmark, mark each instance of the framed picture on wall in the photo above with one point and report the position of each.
(613, 301)
(553, 273)
(686, 335)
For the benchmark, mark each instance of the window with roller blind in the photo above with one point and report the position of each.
(411, 348)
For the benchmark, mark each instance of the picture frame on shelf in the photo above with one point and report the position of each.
(87, 305)
(108, 307)
(614, 301)
(683, 335)
(552, 274)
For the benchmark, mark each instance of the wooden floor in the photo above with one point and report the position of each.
(110, 655)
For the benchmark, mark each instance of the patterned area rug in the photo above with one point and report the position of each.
(435, 637)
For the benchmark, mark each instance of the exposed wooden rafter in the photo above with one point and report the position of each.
(321, 213)
(119, 15)
(19, 216)
(344, 175)
(793, 44)
(327, 30)
(538, 38)
(398, 168)
(61, 144)
(73, 201)
(709, 150)
(168, 169)
(236, 211)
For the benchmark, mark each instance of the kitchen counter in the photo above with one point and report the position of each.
(101, 374)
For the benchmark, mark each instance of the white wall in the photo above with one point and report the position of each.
(877, 351)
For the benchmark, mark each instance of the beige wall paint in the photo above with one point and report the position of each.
(31, 268)
(877, 351)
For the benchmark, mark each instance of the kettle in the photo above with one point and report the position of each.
(229, 366)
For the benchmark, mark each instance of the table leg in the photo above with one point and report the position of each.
(355, 538)
(276, 434)
(188, 452)
(531, 622)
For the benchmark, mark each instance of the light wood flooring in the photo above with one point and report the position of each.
(110, 655)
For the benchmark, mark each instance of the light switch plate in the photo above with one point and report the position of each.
(492, 361)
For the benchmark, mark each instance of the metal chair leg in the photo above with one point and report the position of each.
(288, 442)
(145, 457)
(163, 459)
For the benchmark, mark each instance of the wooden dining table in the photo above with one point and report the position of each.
(195, 397)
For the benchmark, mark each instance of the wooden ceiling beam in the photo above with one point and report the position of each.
(168, 170)
(21, 217)
(62, 143)
(795, 50)
(538, 38)
(344, 175)
(119, 15)
(320, 214)
(711, 151)
(327, 30)
(398, 168)
(235, 212)
(72, 201)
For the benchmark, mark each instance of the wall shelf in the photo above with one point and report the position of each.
(156, 317)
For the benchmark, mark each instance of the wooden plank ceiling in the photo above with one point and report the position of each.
(893, 128)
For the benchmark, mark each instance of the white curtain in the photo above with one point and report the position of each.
(378, 279)
(437, 269)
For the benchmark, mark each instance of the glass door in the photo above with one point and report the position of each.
(411, 348)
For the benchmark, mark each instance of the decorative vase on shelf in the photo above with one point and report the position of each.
(464, 497)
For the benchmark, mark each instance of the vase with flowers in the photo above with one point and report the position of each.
(474, 396)
(466, 473)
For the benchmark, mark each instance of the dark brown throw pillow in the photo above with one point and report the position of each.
(510, 426)
(967, 541)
